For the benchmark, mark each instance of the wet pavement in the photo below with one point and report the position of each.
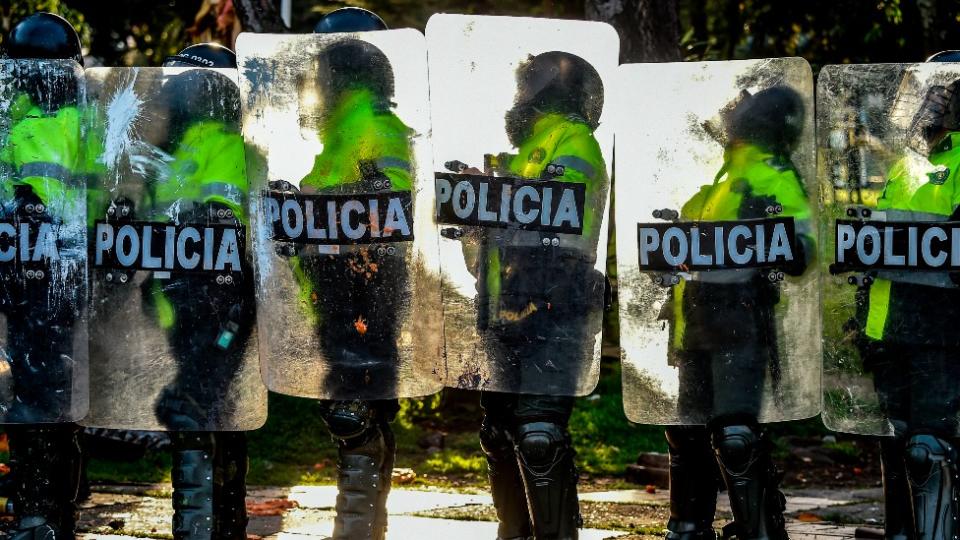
(306, 513)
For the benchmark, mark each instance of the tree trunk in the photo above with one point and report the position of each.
(649, 29)
(259, 16)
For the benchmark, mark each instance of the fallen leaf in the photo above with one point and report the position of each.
(807, 517)
(271, 507)
(651, 488)
(403, 475)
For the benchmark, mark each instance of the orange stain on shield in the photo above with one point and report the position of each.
(360, 325)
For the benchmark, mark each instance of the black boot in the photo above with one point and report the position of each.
(932, 473)
(752, 483)
(506, 484)
(193, 485)
(230, 473)
(550, 476)
(897, 511)
(693, 484)
(365, 466)
(46, 464)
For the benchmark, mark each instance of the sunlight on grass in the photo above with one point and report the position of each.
(448, 462)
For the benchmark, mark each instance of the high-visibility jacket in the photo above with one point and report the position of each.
(361, 139)
(359, 133)
(917, 189)
(43, 151)
(516, 281)
(750, 180)
(208, 167)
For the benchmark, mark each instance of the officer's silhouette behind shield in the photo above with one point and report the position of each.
(355, 296)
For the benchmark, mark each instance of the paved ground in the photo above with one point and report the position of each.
(305, 513)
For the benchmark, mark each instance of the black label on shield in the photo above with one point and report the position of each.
(506, 202)
(717, 245)
(28, 242)
(896, 245)
(144, 245)
(361, 218)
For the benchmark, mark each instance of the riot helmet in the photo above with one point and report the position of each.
(44, 35)
(185, 112)
(771, 119)
(349, 19)
(209, 55)
(554, 82)
(343, 66)
(945, 56)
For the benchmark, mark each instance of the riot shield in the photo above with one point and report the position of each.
(522, 158)
(716, 241)
(173, 336)
(889, 151)
(346, 249)
(43, 259)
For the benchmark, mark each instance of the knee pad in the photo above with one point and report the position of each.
(495, 440)
(542, 445)
(926, 455)
(348, 420)
(738, 447)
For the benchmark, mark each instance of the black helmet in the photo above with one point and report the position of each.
(945, 56)
(557, 82)
(44, 35)
(209, 55)
(772, 119)
(353, 63)
(349, 19)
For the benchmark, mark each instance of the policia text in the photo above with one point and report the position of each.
(864, 245)
(340, 219)
(539, 205)
(139, 245)
(717, 245)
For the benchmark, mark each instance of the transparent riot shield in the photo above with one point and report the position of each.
(522, 161)
(716, 241)
(889, 150)
(173, 324)
(345, 244)
(43, 258)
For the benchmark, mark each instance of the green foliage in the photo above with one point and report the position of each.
(822, 31)
(606, 441)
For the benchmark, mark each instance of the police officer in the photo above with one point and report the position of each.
(208, 320)
(542, 335)
(723, 333)
(911, 351)
(366, 149)
(42, 154)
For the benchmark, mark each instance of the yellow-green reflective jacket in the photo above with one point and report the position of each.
(750, 180)
(43, 151)
(358, 131)
(355, 132)
(208, 167)
(917, 189)
(555, 139)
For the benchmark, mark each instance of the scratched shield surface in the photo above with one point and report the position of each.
(338, 127)
(523, 152)
(716, 241)
(43, 258)
(173, 320)
(889, 149)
